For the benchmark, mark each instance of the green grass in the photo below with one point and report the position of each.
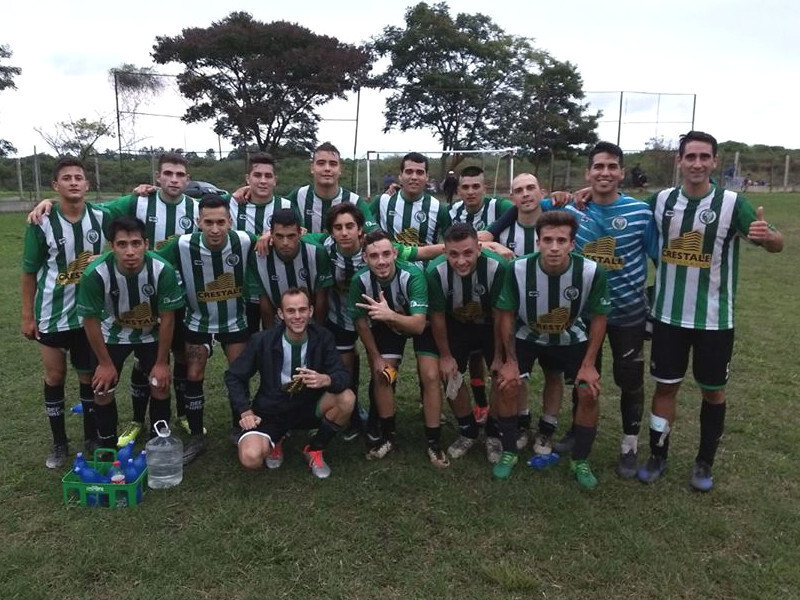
(402, 529)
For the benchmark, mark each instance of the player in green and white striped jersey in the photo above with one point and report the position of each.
(411, 216)
(56, 252)
(314, 201)
(389, 302)
(128, 298)
(463, 287)
(546, 295)
(291, 263)
(480, 211)
(699, 226)
(214, 265)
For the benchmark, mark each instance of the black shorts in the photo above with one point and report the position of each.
(392, 344)
(711, 355)
(303, 415)
(179, 332)
(145, 355)
(73, 341)
(551, 358)
(207, 339)
(253, 311)
(465, 339)
(627, 345)
(345, 340)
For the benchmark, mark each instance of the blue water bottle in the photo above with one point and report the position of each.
(126, 452)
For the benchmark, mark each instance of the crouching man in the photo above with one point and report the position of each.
(304, 385)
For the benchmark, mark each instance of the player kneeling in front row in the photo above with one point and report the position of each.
(543, 299)
(128, 298)
(304, 385)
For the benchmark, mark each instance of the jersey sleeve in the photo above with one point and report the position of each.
(122, 206)
(504, 222)
(435, 291)
(599, 303)
(417, 293)
(91, 292)
(499, 281)
(406, 253)
(370, 224)
(508, 299)
(170, 294)
(318, 239)
(743, 215)
(34, 249)
(169, 252)
(354, 296)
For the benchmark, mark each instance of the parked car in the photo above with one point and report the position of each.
(196, 189)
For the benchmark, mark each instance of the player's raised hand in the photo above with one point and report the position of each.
(263, 244)
(242, 195)
(759, 230)
(144, 189)
(39, 212)
(378, 310)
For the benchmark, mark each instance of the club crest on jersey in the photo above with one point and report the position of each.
(148, 290)
(303, 274)
(185, 223)
(707, 216)
(420, 217)
(572, 293)
(619, 223)
(478, 225)
(480, 289)
(232, 260)
(92, 236)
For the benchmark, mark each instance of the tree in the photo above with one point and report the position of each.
(7, 74)
(261, 82)
(446, 74)
(543, 113)
(77, 137)
(135, 87)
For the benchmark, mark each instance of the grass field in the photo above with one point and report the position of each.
(401, 529)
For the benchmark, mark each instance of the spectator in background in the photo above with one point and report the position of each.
(449, 186)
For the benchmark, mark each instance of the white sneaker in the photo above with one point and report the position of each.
(461, 446)
(494, 450)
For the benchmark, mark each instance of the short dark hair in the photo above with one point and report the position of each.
(460, 231)
(557, 218)
(260, 158)
(286, 217)
(67, 161)
(697, 136)
(328, 147)
(297, 291)
(127, 224)
(607, 148)
(471, 171)
(376, 236)
(344, 208)
(211, 201)
(414, 157)
(172, 157)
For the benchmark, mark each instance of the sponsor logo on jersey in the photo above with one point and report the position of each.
(471, 312)
(602, 252)
(390, 213)
(198, 262)
(669, 213)
(221, 289)
(416, 304)
(92, 236)
(152, 219)
(185, 222)
(687, 251)
(408, 237)
(707, 216)
(232, 260)
(533, 294)
(138, 317)
(310, 212)
(148, 290)
(75, 269)
(571, 293)
(62, 241)
(556, 321)
(619, 223)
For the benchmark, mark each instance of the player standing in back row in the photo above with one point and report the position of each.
(698, 225)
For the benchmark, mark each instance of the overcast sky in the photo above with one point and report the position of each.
(739, 57)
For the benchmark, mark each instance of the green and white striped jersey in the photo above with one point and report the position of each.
(58, 251)
(214, 280)
(313, 210)
(256, 218)
(467, 299)
(549, 307)
(162, 219)
(411, 223)
(294, 356)
(309, 268)
(487, 214)
(520, 239)
(128, 306)
(406, 293)
(698, 255)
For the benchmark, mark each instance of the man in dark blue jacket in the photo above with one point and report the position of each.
(304, 385)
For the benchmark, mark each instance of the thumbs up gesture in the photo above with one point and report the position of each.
(761, 233)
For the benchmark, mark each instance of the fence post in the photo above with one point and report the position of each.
(97, 177)
(37, 184)
(19, 180)
(786, 174)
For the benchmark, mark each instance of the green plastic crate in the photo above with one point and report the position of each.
(107, 495)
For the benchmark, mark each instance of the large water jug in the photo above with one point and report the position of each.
(164, 458)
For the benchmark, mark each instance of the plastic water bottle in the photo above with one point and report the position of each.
(80, 462)
(89, 475)
(117, 477)
(140, 462)
(131, 475)
(124, 453)
(164, 458)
